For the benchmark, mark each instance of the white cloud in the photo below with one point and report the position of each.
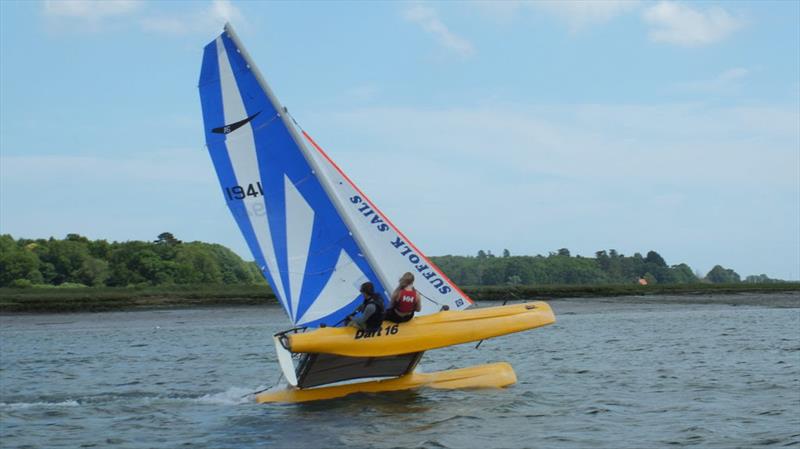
(165, 25)
(499, 10)
(90, 10)
(87, 15)
(676, 23)
(364, 92)
(579, 14)
(733, 74)
(212, 17)
(93, 15)
(595, 141)
(428, 19)
(644, 176)
(727, 82)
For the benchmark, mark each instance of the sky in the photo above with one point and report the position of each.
(667, 126)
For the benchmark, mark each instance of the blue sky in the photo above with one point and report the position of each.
(672, 126)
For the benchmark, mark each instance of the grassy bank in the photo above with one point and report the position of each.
(109, 299)
(46, 300)
(501, 293)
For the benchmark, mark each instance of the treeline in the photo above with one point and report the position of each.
(77, 261)
(561, 268)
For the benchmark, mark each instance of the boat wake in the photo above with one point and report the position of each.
(231, 396)
(40, 404)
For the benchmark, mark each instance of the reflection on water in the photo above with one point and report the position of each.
(608, 374)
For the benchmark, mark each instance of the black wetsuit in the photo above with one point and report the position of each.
(372, 311)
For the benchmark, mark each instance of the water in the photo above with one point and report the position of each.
(642, 373)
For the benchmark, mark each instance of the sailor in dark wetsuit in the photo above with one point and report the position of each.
(369, 315)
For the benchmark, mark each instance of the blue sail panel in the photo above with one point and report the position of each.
(290, 224)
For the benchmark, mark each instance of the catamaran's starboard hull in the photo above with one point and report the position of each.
(493, 375)
(424, 333)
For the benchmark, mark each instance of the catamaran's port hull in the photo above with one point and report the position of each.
(493, 375)
(423, 333)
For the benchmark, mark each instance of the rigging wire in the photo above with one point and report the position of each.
(504, 303)
(429, 299)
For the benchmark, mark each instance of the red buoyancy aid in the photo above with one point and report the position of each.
(406, 301)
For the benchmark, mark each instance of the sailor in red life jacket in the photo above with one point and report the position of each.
(405, 301)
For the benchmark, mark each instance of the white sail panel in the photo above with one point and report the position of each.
(391, 252)
(346, 277)
(242, 153)
(299, 225)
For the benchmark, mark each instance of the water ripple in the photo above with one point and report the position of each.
(605, 376)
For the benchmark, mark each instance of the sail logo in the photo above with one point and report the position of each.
(428, 273)
(424, 269)
(227, 129)
(367, 211)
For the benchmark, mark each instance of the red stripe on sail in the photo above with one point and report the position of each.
(372, 205)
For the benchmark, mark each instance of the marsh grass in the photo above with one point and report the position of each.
(102, 299)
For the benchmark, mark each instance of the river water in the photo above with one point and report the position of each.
(639, 373)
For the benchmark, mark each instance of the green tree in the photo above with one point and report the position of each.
(93, 272)
(603, 260)
(655, 259)
(721, 275)
(65, 256)
(99, 249)
(683, 274)
(17, 263)
(761, 279)
(77, 238)
(166, 238)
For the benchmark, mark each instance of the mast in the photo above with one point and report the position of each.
(312, 162)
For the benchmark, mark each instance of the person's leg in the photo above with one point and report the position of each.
(403, 319)
(391, 315)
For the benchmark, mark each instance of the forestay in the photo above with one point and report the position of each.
(304, 222)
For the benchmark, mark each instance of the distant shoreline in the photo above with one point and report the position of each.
(66, 300)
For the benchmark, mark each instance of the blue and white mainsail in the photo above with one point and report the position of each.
(294, 207)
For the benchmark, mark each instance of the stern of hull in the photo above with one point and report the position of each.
(492, 375)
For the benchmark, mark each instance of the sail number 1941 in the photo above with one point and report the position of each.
(241, 192)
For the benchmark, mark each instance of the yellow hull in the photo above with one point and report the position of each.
(493, 375)
(424, 333)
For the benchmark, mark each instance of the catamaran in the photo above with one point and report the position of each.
(317, 237)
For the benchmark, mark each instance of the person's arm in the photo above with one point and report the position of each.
(369, 310)
(393, 300)
(361, 320)
(418, 305)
